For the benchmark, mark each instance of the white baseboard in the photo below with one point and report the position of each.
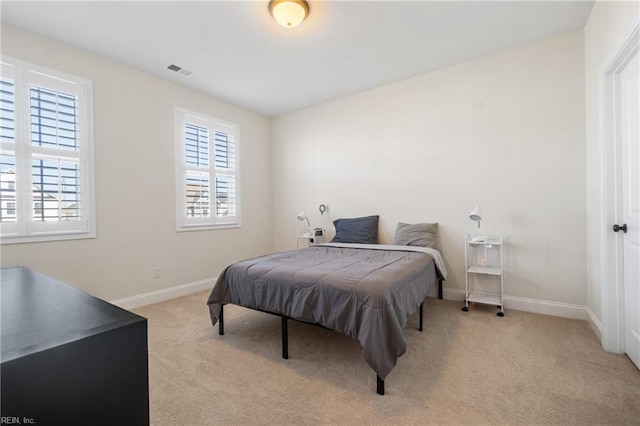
(594, 322)
(164, 294)
(453, 294)
(545, 307)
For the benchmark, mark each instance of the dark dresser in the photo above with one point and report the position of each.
(69, 358)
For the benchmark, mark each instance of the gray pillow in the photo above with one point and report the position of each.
(360, 230)
(417, 234)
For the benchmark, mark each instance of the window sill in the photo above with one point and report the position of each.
(188, 228)
(39, 238)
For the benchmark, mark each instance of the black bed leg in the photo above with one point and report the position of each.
(221, 321)
(421, 311)
(439, 289)
(285, 338)
(380, 385)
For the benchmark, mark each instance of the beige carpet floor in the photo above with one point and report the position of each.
(464, 368)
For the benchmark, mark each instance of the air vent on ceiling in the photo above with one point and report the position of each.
(179, 70)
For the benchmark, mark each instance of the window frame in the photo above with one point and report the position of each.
(25, 229)
(182, 117)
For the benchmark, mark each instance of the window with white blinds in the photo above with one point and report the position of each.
(207, 178)
(46, 162)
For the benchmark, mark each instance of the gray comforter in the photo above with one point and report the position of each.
(364, 293)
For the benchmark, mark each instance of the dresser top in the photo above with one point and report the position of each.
(40, 313)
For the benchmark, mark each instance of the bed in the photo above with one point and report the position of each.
(365, 291)
(353, 286)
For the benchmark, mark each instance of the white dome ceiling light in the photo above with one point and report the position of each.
(289, 13)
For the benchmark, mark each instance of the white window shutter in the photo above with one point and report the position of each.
(46, 142)
(207, 172)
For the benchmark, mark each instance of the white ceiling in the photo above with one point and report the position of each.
(239, 54)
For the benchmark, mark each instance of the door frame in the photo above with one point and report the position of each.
(611, 249)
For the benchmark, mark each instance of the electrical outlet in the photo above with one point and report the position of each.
(156, 272)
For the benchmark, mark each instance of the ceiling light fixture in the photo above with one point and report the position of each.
(289, 13)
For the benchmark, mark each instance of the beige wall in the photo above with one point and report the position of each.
(505, 131)
(135, 189)
(607, 24)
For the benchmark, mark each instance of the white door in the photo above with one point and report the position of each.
(630, 116)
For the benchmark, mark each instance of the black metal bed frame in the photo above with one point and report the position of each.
(285, 331)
